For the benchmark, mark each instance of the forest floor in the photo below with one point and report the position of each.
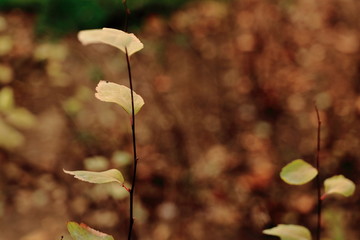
(229, 95)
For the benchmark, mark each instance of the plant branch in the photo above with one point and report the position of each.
(127, 13)
(133, 182)
(318, 180)
(135, 159)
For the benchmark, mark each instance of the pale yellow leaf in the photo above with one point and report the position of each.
(289, 232)
(84, 232)
(114, 37)
(339, 185)
(112, 175)
(115, 93)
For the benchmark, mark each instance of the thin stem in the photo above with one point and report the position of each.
(127, 13)
(135, 159)
(318, 180)
(134, 149)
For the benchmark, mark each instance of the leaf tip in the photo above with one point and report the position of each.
(68, 172)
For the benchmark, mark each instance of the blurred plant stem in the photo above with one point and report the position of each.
(318, 180)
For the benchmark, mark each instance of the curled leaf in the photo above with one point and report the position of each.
(114, 37)
(84, 232)
(289, 232)
(112, 175)
(298, 172)
(112, 92)
(339, 185)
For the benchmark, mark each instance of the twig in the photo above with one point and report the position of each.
(127, 13)
(134, 149)
(318, 181)
(133, 182)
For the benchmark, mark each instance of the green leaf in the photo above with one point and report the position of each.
(9, 137)
(6, 44)
(96, 163)
(339, 185)
(6, 72)
(112, 175)
(289, 232)
(84, 232)
(21, 118)
(113, 37)
(6, 99)
(72, 105)
(121, 159)
(298, 172)
(112, 92)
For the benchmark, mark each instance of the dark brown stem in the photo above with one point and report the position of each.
(318, 180)
(127, 13)
(133, 182)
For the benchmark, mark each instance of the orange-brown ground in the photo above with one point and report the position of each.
(229, 95)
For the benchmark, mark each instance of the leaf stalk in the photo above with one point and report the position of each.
(318, 180)
(133, 130)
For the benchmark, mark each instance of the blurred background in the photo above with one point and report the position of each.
(229, 88)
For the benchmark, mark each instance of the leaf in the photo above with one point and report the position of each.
(289, 232)
(112, 92)
(6, 99)
(121, 159)
(72, 106)
(21, 118)
(96, 163)
(84, 232)
(339, 185)
(9, 137)
(50, 51)
(6, 45)
(6, 73)
(112, 175)
(113, 37)
(298, 172)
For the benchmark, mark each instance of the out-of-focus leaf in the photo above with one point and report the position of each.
(289, 232)
(96, 163)
(121, 158)
(323, 100)
(72, 106)
(101, 192)
(336, 222)
(6, 74)
(298, 172)
(6, 99)
(83, 93)
(10, 138)
(6, 44)
(21, 118)
(112, 175)
(50, 51)
(112, 92)
(339, 185)
(54, 70)
(84, 232)
(113, 37)
(3, 23)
